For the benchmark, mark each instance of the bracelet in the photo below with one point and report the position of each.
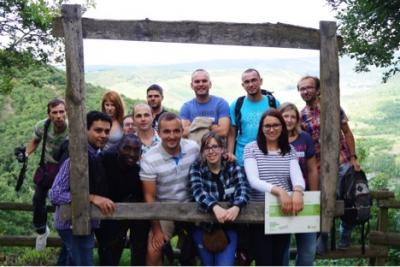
(299, 190)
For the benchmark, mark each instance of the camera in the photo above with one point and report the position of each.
(19, 153)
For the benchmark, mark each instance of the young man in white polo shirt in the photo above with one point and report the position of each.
(164, 173)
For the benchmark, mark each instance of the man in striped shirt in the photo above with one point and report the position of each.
(165, 175)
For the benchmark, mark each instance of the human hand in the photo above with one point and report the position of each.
(285, 200)
(158, 239)
(230, 157)
(220, 213)
(106, 205)
(232, 213)
(297, 202)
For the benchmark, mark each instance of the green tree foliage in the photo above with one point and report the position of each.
(25, 35)
(371, 32)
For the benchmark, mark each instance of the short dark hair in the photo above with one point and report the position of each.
(155, 87)
(252, 70)
(168, 116)
(283, 140)
(127, 116)
(95, 115)
(316, 81)
(53, 103)
(130, 139)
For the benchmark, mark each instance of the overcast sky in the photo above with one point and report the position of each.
(104, 52)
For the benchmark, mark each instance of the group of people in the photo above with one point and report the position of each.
(210, 153)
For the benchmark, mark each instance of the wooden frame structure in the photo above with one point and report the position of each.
(74, 28)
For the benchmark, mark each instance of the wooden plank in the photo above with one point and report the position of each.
(253, 213)
(355, 252)
(27, 241)
(389, 203)
(75, 98)
(330, 122)
(21, 206)
(384, 194)
(383, 222)
(387, 239)
(217, 33)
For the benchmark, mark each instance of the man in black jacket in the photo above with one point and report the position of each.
(120, 171)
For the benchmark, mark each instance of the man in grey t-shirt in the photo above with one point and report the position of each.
(165, 176)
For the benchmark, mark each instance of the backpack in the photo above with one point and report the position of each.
(239, 104)
(354, 191)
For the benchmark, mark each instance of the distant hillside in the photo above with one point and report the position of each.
(279, 76)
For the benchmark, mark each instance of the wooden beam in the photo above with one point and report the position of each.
(384, 194)
(27, 241)
(217, 33)
(330, 121)
(389, 203)
(355, 252)
(386, 239)
(75, 100)
(253, 213)
(21, 206)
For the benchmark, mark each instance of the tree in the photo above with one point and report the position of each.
(25, 35)
(371, 32)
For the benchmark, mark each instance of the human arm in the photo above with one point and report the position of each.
(222, 128)
(252, 174)
(186, 127)
(31, 146)
(297, 180)
(197, 185)
(351, 144)
(241, 193)
(106, 205)
(60, 191)
(231, 144)
(312, 171)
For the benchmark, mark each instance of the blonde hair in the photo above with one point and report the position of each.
(290, 106)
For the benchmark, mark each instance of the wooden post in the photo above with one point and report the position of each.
(330, 121)
(383, 222)
(75, 98)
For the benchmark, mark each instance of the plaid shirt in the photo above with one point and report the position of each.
(205, 189)
(310, 122)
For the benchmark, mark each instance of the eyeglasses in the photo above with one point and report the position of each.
(275, 126)
(214, 148)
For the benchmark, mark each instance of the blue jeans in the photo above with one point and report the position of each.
(79, 247)
(224, 258)
(306, 244)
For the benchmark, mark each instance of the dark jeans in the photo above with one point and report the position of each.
(269, 250)
(40, 209)
(79, 247)
(111, 237)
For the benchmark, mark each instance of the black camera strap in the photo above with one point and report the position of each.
(46, 129)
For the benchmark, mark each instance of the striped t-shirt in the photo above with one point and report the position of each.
(171, 174)
(273, 168)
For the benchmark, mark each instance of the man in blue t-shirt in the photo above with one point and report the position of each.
(254, 105)
(212, 108)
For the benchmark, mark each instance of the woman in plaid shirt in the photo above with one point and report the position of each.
(213, 179)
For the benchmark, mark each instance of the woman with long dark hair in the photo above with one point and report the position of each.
(271, 166)
(213, 179)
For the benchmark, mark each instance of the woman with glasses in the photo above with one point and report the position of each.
(306, 242)
(214, 180)
(271, 166)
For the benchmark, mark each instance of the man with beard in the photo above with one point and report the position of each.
(121, 176)
(57, 133)
(254, 105)
(155, 96)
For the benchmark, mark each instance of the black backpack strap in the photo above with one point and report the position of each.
(238, 114)
(46, 129)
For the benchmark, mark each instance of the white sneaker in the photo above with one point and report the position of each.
(41, 240)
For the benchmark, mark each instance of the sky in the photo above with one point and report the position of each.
(306, 13)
